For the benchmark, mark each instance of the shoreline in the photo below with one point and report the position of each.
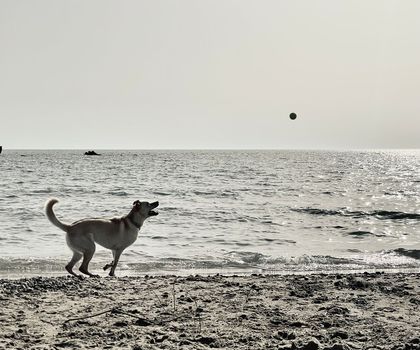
(257, 311)
(19, 274)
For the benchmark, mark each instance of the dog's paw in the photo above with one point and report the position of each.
(107, 266)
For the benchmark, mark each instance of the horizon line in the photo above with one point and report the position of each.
(215, 149)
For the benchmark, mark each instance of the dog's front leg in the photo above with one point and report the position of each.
(107, 266)
(117, 254)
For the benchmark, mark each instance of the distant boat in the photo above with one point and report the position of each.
(91, 153)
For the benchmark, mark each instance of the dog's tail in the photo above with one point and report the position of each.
(51, 216)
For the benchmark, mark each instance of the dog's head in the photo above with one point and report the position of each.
(145, 209)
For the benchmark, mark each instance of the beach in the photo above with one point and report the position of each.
(226, 175)
(313, 311)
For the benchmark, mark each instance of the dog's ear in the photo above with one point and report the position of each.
(136, 203)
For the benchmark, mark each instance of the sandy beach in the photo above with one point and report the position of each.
(337, 311)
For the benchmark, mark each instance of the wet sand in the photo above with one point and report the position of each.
(357, 311)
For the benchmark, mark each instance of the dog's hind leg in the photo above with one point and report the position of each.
(87, 257)
(69, 267)
(117, 254)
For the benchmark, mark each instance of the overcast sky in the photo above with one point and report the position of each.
(209, 74)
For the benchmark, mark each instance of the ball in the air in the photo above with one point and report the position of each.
(293, 116)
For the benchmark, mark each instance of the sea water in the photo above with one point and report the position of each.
(220, 211)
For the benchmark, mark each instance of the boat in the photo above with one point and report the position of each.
(91, 153)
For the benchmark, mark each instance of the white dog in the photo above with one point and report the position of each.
(115, 234)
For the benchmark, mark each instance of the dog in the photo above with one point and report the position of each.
(115, 234)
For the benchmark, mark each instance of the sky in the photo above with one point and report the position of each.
(209, 74)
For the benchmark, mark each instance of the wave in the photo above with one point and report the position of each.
(118, 193)
(378, 214)
(30, 264)
(361, 234)
(159, 193)
(245, 258)
(411, 253)
(43, 190)
(159, 237)
(204, 193)
(238, 261)
(258, 262)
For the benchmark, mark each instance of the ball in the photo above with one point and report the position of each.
(293, 116)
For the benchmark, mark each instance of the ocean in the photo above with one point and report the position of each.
(220, 211)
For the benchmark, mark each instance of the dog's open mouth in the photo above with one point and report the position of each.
(153, 206)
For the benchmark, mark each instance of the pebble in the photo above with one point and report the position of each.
(327, 324)
(339, 347)
(286, 335)
(143, 322)
(340, 334)
(311, 345)
(205, 340)
(277, 320)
